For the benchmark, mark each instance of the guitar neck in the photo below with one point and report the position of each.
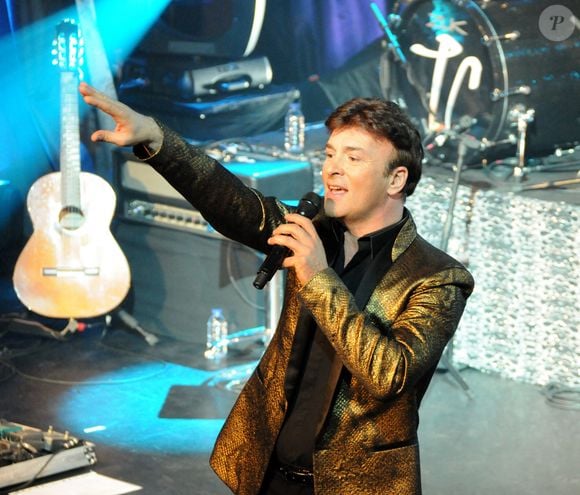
(70, 154)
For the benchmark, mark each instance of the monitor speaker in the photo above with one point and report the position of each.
(179, 276)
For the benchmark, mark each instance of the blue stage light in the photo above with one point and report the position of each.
(123, 409)
(30, 117)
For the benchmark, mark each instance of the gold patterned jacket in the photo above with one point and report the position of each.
(386, 352)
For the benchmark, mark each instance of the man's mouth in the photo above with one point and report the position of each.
(332, 189)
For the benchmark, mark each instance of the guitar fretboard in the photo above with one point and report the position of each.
(71, 214)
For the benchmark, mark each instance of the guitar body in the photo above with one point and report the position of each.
(76, 272)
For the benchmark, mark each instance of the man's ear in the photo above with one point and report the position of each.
(397, 180)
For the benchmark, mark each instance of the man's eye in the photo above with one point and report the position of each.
(353, 158)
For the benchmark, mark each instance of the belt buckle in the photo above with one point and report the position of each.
(298, 475)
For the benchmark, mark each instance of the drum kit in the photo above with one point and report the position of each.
(490, 82)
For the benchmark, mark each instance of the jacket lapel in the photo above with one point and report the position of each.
(371, 281)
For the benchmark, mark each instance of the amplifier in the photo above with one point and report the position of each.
(228, 77)
(180, 272)
(284, 179)
(177, 78)
(174, 217)
(181, 267)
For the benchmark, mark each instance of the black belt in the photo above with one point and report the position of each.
(295, 474)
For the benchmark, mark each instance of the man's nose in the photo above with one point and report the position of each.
(333, 166)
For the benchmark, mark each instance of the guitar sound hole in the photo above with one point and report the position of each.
(71, 217)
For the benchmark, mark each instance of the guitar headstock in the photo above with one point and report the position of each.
(68, 47)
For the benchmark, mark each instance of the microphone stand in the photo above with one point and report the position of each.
(274, 300)
(394, 48)
(392, 39)
(132, 323)
(465, 142)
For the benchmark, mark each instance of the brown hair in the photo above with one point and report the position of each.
(385, 119)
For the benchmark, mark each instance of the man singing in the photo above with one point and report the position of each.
(369, 306)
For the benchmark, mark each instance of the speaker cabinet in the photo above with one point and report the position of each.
(178, 276)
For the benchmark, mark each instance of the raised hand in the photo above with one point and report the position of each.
(131, 127)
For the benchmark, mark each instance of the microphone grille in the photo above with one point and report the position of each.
(309, 205)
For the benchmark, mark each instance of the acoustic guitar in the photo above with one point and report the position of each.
(71, 267)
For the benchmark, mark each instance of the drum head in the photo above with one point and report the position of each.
(477, 68)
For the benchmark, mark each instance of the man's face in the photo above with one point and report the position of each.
(355, 181)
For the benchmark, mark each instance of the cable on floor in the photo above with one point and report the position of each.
(562, 396)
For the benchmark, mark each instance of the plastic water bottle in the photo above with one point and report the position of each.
(294, 129)
(217, 333)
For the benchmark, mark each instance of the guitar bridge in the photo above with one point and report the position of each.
(90, 271)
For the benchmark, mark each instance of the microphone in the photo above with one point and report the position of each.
(307, 207)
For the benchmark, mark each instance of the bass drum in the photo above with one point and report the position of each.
(482, 68)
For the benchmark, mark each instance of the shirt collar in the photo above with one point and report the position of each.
(377, 240)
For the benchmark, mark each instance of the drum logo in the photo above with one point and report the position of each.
(448, 48)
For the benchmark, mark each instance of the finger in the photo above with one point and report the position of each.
(85, 88)
(287, 241)
(98, 136)
(105, 136)
(304, 222)
(105, 104)
(280, 239)
(101, 101)
(290, 230)
(285, 229)
(89, 93)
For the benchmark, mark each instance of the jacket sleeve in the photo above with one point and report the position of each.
(233, 209)
(400, 335)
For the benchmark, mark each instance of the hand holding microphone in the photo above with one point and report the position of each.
(307, 207)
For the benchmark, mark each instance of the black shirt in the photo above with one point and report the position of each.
(312, 354)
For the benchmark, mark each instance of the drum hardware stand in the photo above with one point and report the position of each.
(465, 142)
(523, 117)
(490, 40)
(551, 184)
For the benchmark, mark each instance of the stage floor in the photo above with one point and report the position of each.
(153, 413)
